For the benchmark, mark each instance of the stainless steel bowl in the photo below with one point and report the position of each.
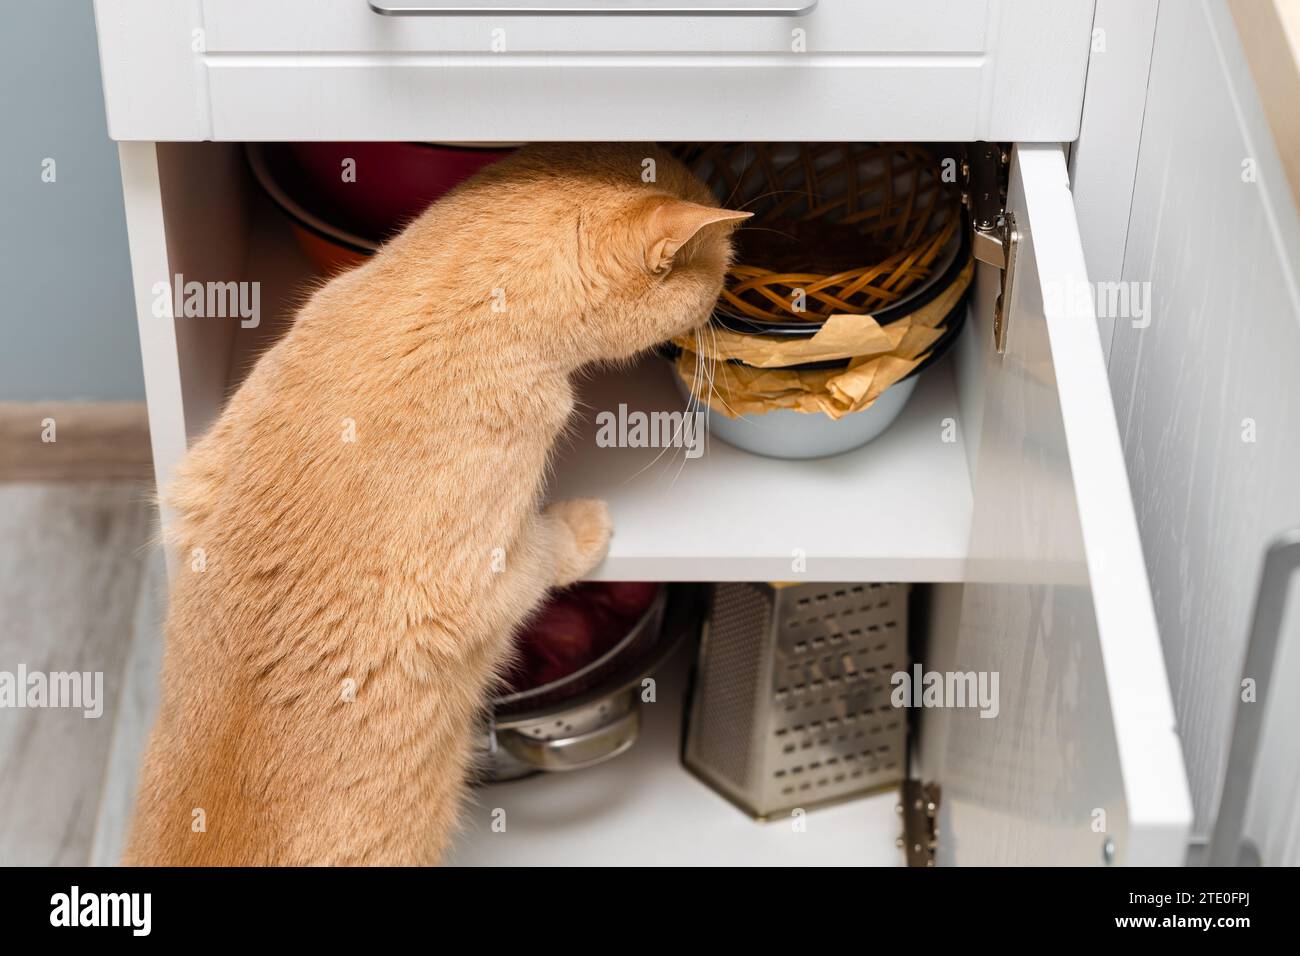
(784, 433)
(592, 715)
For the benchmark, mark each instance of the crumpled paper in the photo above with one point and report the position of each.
(879, 356)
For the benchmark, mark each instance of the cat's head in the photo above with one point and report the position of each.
(618, 247)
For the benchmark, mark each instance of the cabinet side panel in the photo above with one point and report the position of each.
(1206, 391)
(147, 239)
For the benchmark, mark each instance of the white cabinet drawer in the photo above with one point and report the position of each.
(833, 26)
(849, 69)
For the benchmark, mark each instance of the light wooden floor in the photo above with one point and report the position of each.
(81, 584)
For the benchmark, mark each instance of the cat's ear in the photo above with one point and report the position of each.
(671, 223)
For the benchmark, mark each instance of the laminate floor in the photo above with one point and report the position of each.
(80, 585)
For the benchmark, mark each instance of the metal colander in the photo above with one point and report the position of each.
(791, 701)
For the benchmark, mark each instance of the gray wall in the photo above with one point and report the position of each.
(67, 319)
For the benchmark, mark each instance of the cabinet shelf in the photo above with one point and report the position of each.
(897, 509)
(644, 809)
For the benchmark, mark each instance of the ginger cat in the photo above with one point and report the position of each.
(325, 669)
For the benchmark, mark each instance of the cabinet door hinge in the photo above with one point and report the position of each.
(919, 807)
(995, 239)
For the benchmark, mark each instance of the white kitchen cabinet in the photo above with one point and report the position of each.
(1023, 526)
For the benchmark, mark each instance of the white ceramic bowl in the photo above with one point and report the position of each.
(783, 433)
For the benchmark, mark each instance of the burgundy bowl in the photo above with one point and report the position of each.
(395, 182)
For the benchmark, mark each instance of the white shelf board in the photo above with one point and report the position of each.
(645, 809)
(897, 509)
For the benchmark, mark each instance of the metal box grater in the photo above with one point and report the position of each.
(791, 701)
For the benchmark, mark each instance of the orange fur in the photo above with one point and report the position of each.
(371, 561)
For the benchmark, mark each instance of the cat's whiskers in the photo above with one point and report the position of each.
(673, 442)
(744, 168)
(784, 235)
(712, 373)
(769, 193)
(692, 408)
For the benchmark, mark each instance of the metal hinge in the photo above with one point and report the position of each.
(994, 238)
(919, 807)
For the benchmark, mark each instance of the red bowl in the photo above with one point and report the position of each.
(331, 248)
(574, 630)
(394, 182)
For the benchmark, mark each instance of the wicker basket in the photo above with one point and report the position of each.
(889, 198)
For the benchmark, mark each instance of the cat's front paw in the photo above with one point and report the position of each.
(589, 528)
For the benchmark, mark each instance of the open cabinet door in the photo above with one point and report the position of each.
(1081, 764)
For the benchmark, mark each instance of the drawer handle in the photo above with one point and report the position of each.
(1280, 561)
(593, 8)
